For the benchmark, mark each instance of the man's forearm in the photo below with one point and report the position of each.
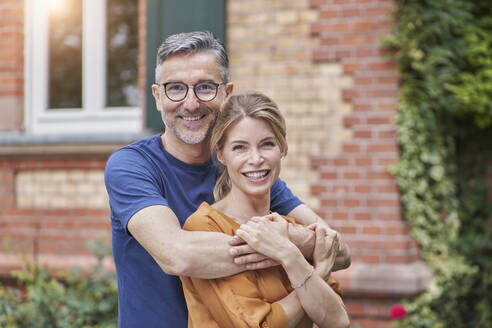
(206, 255)
(198, 254)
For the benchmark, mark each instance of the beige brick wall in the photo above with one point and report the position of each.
(270, 47)
(73, 188)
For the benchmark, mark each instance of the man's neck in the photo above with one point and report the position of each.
(190, 154)
(241, 207)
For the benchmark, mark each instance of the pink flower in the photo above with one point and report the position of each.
(398, 311)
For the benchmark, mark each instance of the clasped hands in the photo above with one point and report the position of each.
(265, 241)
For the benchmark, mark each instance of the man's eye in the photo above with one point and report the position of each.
(205, 87)
(175, 87)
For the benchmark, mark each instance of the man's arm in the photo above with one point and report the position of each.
(197, 254)
(305, 215)
(302, 237)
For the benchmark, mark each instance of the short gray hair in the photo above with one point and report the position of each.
(192, 43)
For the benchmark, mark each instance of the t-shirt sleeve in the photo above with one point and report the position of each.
(233, 301)
(132, 184)
(282, 199)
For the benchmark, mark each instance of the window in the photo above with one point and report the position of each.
(82, 66)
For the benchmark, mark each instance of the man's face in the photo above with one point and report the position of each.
(190, 119)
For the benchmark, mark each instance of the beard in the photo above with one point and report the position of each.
(187, 135)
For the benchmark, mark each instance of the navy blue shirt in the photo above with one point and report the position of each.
(144, 174)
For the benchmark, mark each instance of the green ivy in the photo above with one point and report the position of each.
(73, 299)
(443, 51)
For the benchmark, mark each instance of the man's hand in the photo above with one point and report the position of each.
(327, 246)
(305, 215)
(245, 255)
(304, 238)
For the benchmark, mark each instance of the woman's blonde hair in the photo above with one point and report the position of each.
(236, 107)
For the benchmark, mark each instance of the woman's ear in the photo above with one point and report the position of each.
(220, 157)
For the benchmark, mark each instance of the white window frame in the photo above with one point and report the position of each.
(93, 117)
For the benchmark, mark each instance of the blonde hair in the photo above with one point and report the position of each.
(236, 107)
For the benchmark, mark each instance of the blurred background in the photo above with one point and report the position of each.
(387, 103)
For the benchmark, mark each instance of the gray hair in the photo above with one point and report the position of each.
(192, 43)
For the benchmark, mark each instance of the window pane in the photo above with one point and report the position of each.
(122, 53)
(65, 54)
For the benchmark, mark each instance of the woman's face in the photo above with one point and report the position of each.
(252, 156)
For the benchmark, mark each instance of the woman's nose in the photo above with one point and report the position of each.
(255, 156)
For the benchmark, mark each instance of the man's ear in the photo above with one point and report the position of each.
(157, 98)
(229, 88)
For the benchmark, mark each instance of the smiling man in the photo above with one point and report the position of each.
(156, 183)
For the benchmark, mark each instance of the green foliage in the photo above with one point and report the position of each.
(71, 299)
(444, 56)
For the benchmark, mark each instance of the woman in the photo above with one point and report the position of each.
(249, 139)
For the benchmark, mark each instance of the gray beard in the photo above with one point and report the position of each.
(195, 139)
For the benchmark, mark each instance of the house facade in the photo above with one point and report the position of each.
(75, 80)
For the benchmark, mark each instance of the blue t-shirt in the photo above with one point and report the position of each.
(144, 174)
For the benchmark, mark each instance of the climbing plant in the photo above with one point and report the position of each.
(443, 51)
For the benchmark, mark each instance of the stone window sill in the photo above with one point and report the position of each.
(26, 145)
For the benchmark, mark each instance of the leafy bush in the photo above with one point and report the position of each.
(71, 299)
(444, 55)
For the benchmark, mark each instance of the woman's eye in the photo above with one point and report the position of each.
(269, 144)
(237, 147)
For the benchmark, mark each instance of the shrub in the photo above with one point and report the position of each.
(444, 56)
(68, 299)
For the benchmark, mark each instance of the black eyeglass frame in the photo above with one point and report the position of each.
(188, 88)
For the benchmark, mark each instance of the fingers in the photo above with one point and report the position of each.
(312, 226)
(241, 250)
(250, 258)
(243, 233)
(326, 238)
(274, 217)
(261, 265)
(235, 241)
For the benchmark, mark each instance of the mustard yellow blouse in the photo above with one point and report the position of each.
(247, 299)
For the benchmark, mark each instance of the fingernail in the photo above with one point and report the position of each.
(233, 251)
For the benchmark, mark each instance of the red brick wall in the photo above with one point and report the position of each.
(55, 236)
(11, 64)
(358, 196)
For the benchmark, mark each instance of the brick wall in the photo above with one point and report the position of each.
(321, 61)
(270, 46)
(11, 64)
(357, 194)
(51, 203)
(53, 230)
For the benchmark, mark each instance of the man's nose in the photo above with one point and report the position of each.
(191, 102)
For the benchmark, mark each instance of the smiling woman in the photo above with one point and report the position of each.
(249, 138)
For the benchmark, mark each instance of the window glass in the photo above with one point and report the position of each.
(122, 53)
(65, 55)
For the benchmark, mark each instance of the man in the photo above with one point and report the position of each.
(156, 183)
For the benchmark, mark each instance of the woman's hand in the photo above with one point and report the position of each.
(325, 250)
(267, 235)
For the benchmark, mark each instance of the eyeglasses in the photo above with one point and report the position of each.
(204, 91)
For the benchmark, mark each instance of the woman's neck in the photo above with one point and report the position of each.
(241, 207)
